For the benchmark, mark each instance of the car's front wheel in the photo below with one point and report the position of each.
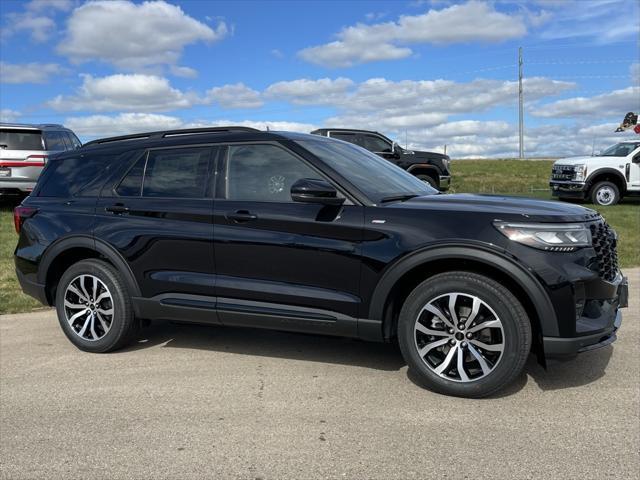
(428, 180)
(464, 334)
(605, 193)
(94, 308)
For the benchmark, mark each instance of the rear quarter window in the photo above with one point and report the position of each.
(74, 176)
(55, 141)
(12, 139)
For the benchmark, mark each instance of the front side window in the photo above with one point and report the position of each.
(376, 144)
(346, 137)
(263, 173)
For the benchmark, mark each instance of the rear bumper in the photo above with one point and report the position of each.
(32, 288)
(12, 188)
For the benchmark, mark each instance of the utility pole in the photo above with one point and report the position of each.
(520, 105)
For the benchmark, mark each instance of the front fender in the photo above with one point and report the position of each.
(478, 254)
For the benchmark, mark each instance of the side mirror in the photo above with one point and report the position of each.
(395, 149)
(636, 158)
(312, 190)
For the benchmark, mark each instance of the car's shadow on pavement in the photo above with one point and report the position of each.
(581, 370)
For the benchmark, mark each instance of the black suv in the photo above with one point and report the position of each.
(430, 167)
(289, 231)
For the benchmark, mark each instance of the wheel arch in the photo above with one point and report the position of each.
(401, 277)
(69, 250)
(610, 175)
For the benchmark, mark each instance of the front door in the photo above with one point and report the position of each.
(279, 263)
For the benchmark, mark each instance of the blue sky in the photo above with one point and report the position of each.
(434, 72)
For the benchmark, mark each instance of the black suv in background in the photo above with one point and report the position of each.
(430, 167)
(239, 227)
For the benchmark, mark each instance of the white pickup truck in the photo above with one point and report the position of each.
(603, 179)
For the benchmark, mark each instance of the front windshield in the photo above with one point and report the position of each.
(620, 150)
(374, 176)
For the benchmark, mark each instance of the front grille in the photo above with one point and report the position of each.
(604, 242)
(562, 172)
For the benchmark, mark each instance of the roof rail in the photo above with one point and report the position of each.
(170, 133)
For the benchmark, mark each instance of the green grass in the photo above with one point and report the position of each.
(528, 178)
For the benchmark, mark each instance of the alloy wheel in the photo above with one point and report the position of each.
(459, 337)
(88, 307)
(605, 195)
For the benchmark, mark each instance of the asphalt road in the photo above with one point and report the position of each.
(212, 402)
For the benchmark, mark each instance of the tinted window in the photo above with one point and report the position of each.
(55, 141)
(263, 173)
(620, 150)
(374, 143)
(182, 172)
(72, 141)
(375, 177)
(346, 137)
(72, 177)
(20, 139)
(131, 185)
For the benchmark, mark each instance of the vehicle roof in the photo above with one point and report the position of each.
(630, 141)
(187, 137)
(34, 126)
(346, 130)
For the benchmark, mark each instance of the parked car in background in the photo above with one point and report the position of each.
(430, 167)
(24, 151)
(604, 179)
(288, 231)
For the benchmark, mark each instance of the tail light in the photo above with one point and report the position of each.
(20, 214)
(30, 161)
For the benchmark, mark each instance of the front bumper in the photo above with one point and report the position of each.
(594, 333)
(444, 181)
(568, 189)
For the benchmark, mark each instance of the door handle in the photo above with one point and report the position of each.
(241, 216)
(118, 209)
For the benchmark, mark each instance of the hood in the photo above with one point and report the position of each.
(430, 155)
(502, 207)
(583, 160)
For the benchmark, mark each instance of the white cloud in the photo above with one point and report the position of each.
(122, 124)
(48, 5)
(611, 104)
(184, 72)
(35, 20)
(9, 116)
(28, 72)
(473, 21)
(136, 92)
(133, 36)
(276, 125)
(310, 92)
(234, 96)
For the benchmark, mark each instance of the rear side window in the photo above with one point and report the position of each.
(11, 139)
(55, 141)
(172, 173)
(346, 137)
(70, 177)
(72, 141)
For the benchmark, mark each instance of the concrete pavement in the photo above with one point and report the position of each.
(213, 402)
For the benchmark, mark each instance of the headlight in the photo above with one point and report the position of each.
(580, 172)
(562, 237)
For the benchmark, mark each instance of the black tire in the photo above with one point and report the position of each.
(123, 327)
(605, 194)
(516, 331)
(428, 179)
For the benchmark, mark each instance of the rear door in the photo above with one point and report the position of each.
(158, 215)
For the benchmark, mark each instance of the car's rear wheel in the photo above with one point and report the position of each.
(94, 308)
(605, 193)
(464, 334)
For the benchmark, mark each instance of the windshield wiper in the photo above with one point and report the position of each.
(398, 198)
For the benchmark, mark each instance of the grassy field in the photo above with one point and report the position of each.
(528, 178)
